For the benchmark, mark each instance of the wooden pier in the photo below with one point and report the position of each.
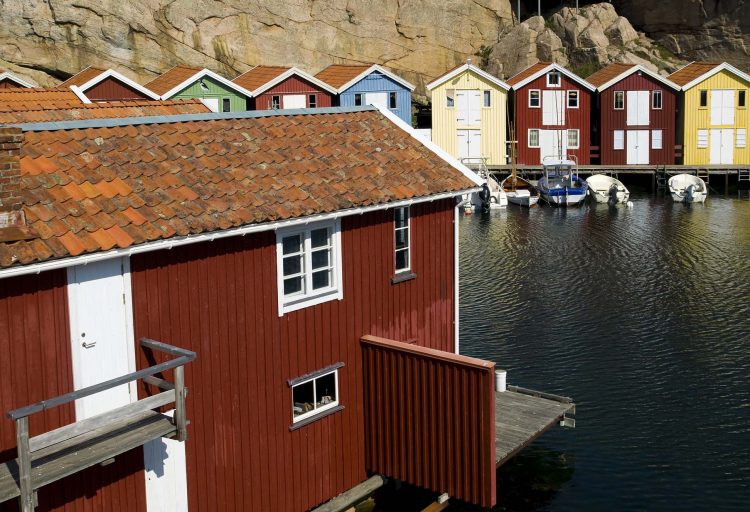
(522, 415)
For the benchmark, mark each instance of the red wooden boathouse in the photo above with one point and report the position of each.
(9, 80)
(276, 87)
(97, 84)
(636, 112)
(551, 114)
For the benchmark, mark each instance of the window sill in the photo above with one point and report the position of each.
(312, 419)
(403, 276)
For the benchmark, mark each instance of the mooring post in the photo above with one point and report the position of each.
(726, 183)
(26, 500)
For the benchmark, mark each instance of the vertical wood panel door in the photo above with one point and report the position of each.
(637, 147)
(468, 107)
(553, 107)
(722, 146)
(469, 144)
(294, 101)
(638, 107)
(101, 332)
(722, 107)
(379, 99)
(553, 144)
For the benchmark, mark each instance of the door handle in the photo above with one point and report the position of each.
(90, 344)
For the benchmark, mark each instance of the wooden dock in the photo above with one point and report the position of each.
(523, 415)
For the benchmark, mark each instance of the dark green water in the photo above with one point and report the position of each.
(641, 315)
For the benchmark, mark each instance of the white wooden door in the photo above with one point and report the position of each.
(553, 107)
(468, 107)
(721, 146)
(101, 332)
(166, 475)
(211, 103)
(294, 101)
(553, 144)
(379, 99)
(637, 146)
(469, 144)
(722, 107)
(638, 107)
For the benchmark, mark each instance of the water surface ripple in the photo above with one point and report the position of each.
(643, 316)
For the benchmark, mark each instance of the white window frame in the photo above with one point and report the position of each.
(317, 410)
(538, 98)
(700, 98)
(335, 291)
(538, 135)
(392, 100)
(578, 138)
(487, 99)
(741, 138)
(743, 93)
(702, 138)
(614, 100)
(312, 101)
(654, 139)
(654, 94)
(408, 240)
(621, 145)
(276, 98)
(577, 97)
(450, 98)
(559, 79)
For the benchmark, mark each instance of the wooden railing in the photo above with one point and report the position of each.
(95, 432)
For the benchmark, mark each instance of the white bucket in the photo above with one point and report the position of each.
(500, 378)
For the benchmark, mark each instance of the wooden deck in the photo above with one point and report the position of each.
(521, 417)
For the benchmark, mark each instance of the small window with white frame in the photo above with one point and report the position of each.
(312, 101)
(535, 98)
(553, 79)
(392, 100)
(309, 265)
(450, 97)
(573, 99)
(657, 141)
(315, 394)
(358, 99)
(487, 99)
(573, 139)
(656, 100)
(275, 102)
(402, 238)
(534, 138)
(619, 100)
(741, 137)
(702, 139)
(619, 140)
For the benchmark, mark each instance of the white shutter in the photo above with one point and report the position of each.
(462, 107)
(727, 108)
(702, 139)
(553, 107)
(619, 139)
(715, 149)
(632, 105)
(475, 108)
(379, 99)
(294, 101)
(727, 146)
(462, 143)
(644, 108)
(656, 139)
(717, 99)
(741, 137)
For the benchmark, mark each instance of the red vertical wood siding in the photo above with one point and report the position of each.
(531, 118)
(430, 419)
(36, 364)
(10, 84)
(219, 299)
(293, 85)
(611, 120)
(111, 89)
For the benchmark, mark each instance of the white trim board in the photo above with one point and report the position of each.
(7, 75)
(370, 70)
(288, 73)
(200, 74)
(118, 76)
(461, 69)
(633, 69)
(547, 69)
(724, 66)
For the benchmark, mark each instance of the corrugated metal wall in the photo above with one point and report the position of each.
(35, 364)
(237, 102)
(531, 118)
(611, 120)
(293, 85)
(697, 118)
(430, 419)
(219, 299)
(110, 89)
(377, 82)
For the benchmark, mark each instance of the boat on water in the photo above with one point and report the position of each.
(688, 188)
(606, 189)
(560, 183)
(492, 195)
(520, 191)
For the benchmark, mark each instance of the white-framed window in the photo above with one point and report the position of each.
(487, 99)
(741, 137)
(533, 138)
(703, 98)
(450, 97)
(535, 98)
(226, 105)
(619, 100)
(275, 102)
(315, 394)
(702, 139)
(402, 238)
(572, 99)
(553, 79)
(357, 99)
(657, 139)
(741, 98)
(656, 100)
(573, 139)
(312, 100)
(392, 100)
(308, 260)
(619, 139)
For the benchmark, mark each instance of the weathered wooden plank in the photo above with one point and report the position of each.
(179, 400)
(24, 465)
(353, 495)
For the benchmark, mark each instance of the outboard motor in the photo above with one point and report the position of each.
(486, 197)
(612, 195)
(690, 192)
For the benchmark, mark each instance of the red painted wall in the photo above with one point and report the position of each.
(611, 120)
(35, 364)
(292, 85)
(531, 118)
(220, 299)
(111, 89)
(9, 84)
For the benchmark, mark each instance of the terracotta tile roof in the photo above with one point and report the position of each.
(83, 76)
(87, 189)
(337, 75)
(692, 71)
(526, 73)
(608, 73)
(171, 78)
(36, 95)
(46, 111)
(259, 75)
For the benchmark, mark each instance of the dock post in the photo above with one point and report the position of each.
(179, 403)
(26, 500)
(726, 183)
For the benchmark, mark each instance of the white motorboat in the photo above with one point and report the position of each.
(520, 191)
(606, 189)
(688, 188)
(561, 185)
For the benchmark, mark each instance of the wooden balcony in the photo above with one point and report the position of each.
(67, 450)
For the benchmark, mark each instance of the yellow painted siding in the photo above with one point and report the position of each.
(493, 126)
(699, 118)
